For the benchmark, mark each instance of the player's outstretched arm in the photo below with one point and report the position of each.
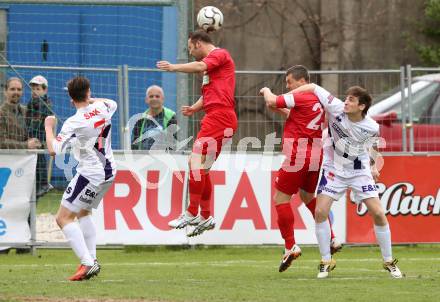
(192, 67)
(196, 107)
(305, 88)
(49, 125)
(279, 104)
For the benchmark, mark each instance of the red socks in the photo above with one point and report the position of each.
(285, 223)
(205, 202)
(196, 185)
(200, 189)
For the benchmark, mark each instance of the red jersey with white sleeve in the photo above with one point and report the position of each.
(218, 84)
(304, 123)
(302, 143)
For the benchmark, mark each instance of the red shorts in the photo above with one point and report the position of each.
(290, 179)
(216, 128)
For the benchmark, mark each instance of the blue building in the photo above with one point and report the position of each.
(98, 37)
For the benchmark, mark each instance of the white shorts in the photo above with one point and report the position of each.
(362, 186)
(82, 195)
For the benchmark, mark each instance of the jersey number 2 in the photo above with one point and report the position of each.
(314, 123)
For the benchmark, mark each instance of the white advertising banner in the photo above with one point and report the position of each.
(149, 191)
(17, 177)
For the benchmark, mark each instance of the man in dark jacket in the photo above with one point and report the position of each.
(150, 132)
(38, 108)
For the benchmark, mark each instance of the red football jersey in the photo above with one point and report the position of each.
(219, 80)
(304, 124)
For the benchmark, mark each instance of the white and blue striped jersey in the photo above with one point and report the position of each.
(346, 149)
(88, 132)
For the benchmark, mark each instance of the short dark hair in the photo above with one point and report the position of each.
(200, 35)
(299, 72)
(78, 88)
(363, 96)
(8, 81)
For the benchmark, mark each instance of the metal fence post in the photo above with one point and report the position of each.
(121, 105)
(126, 108)
(182, 78)
(410, 109)
(403, 108)
(33, 218)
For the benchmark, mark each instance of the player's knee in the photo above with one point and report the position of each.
(61, 220)
(321, 214)
(280, 197)
(64, 217)
(305, 196)
(378, 215)
(83, 213)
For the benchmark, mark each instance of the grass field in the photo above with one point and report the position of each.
(221, 274)
(50, 202)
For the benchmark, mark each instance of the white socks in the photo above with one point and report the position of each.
(323, 235)
(383, 237)
(89, 231)
(73, 233)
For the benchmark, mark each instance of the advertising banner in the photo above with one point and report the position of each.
(17, 178)
(150, 190)
(409, 189)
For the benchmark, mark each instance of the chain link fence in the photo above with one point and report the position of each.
(256, 121)
(406, 105)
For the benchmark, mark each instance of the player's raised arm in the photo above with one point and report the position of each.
(56, 145)
(49, 124)
(331, 104)
(304, 88)
(192, 67)
(277, 101)
(269, 97)
(273, 104)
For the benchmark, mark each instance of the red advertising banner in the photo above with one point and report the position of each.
(149, 191)
(409, 189)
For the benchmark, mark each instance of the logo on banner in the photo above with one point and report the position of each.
(399, 199)
(5, 173)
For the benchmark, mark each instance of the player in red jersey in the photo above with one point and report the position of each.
(217, 126)
(302, 148)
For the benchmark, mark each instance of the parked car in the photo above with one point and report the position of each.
(387, 111)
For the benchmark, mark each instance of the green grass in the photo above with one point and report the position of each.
(50, 202)
(223, 274)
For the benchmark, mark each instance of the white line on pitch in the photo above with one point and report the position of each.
(211, 263)
(188, 263)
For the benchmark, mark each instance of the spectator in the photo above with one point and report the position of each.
(13, 132)
(151, 131)
(38, 108)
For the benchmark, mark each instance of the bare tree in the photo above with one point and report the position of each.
(320, 34)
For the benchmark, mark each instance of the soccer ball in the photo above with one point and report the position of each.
(210, 18)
